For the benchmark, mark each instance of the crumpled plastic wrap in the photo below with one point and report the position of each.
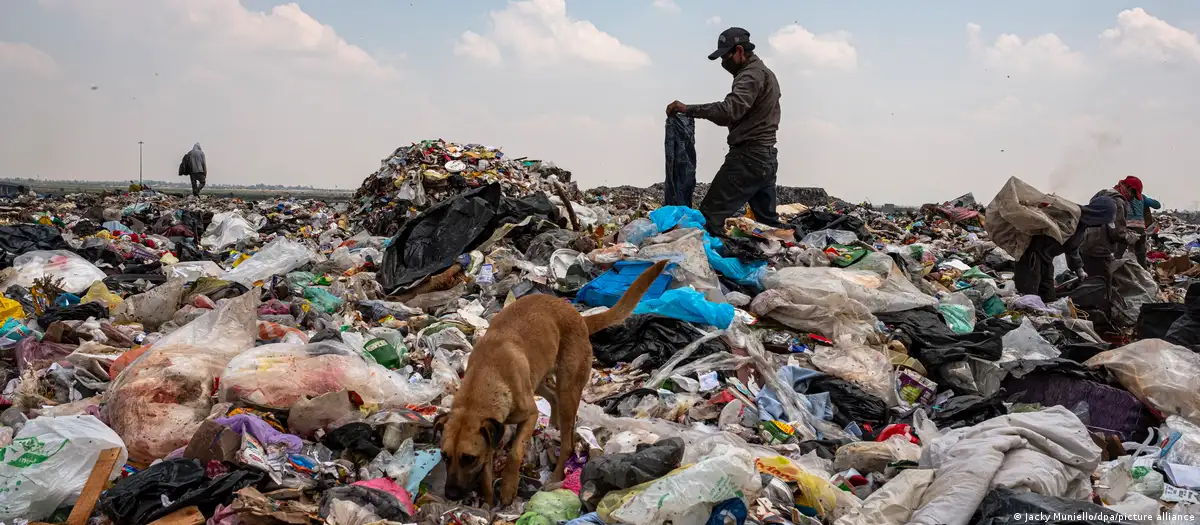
(278, 375)
(867, 368)
(227, 229)
(1160, 374)
(76, 272)
(1016, 215)
(835, 302)
(158, 401)
(278, 257)
(154, 307)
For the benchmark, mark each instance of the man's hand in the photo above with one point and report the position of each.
(676, 107)
(1082, 275)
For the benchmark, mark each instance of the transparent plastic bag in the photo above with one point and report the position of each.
(278, 375)
(278, 257)
(959, 312)
(76, 272)
(637, 231)
(1026, 344)
(152, 308)
(227, 229)
(685, 247)
(48, 463)
(726, 473)
(1159, 373)
(870, 369)
(1186, 449)
(159, 400)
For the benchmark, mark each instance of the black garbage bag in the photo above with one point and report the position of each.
(1004, 506)
(537, 205)
(1154, 319)
(745, 250)
(1185, 331)
(650, 334)
(933, 343)
(967, 410)
(851, 403)
(355, 437)
(620, 471)
(78, 312)
(384, 505)
(21, 238)
(137, 499)
(430, 242)
(680, 149)
(816, 220)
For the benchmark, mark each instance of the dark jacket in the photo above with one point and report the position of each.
(1097, 213)
(751, 109)
(193, 162)
(1185, 331)
(1109, 240)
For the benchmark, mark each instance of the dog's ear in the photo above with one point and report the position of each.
(493, 432)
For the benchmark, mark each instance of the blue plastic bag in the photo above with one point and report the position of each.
(607, 289)
(669, 217)
(687, 304)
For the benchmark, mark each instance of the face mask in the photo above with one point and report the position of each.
(729, 65)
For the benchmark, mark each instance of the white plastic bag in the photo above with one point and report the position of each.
(686, 248)
(278, 257)
(726, 473)
(278, 375)
(152, 308)
(76, 272)
(1026, 344)
(48, 463)
(158, 401)
(192, 270)
(226, 229)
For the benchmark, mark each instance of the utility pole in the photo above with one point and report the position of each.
(140, 183)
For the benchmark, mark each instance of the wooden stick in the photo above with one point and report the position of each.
(93, 487)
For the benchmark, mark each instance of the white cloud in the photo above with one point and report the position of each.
(800, 46)
(473, 45)
(667, 6)
(997, 112)
(1010, 54)
(713, 21)
(541, 34)
(24, 57)
(1140, 36)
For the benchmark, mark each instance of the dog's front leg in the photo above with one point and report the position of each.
(488, 479)
(512, 469)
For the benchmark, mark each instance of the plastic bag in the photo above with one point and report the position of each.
(322, 299)
(278, 257)
(893, 503)
(726, 473)
(551, 508)
(637, 231)
(152, 308)
(48, 463)
(874, 456)
(686, 249)
(867, 368)
(835, 301)
(812, 491)
(227, 229)
(1186, 449)
(98, 293)
(959, 312)
(687, 304)
(1019, 211)
(1160, 374)
(75, 271)
(192, 270)
(1026, 344)
(278, 375)
(158, 401)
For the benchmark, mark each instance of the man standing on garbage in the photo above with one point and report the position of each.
(195, 167)
(1140, 219)
(1035, 270)
(751, 112)
(1103, 245)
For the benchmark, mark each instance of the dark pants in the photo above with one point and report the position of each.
(1139, 247)
(680, 147)
(1102, 267)
(197, 183)
(747, 177)
(1034, 273)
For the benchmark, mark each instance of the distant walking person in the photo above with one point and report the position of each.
(194, 166)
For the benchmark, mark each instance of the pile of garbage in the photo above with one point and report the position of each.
(223, 361)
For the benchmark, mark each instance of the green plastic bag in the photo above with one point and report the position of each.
(549, 508)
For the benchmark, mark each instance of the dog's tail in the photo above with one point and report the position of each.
(628, 301)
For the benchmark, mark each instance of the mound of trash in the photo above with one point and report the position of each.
(174, 360)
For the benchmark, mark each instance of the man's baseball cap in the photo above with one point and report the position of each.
(729, 39)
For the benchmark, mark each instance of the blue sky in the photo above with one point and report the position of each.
(887, 101)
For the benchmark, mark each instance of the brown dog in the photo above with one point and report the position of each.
(531, 338)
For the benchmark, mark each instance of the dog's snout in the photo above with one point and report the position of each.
(453, 492)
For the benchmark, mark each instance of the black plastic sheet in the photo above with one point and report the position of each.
(851, 403)
(620, 471)
(1004, 506)
(815, 220)
(932, 342)
(137, 499)
(1185, 331)
(79, 312)
(21, 238)
(430, 242)
(1154, 319)
(967, 410)
(658, 336)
